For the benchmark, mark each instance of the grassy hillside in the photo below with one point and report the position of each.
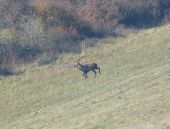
(132, 93)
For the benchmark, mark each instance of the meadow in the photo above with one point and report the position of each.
(132, 92)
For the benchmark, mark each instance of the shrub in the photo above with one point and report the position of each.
(8, 36)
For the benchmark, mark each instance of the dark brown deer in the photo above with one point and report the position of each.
(85, 68)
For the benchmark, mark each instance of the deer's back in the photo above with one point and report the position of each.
(91, 65)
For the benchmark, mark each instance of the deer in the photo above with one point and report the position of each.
(85, 68)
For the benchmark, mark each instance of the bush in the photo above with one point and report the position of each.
(8, 36)
(27, 53)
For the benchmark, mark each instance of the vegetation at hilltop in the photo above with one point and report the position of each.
(40, 30)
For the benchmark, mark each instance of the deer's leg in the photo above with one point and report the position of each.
(98, 69)
(94, 72)
(85, 75)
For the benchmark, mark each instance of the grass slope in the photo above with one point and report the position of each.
(133, 91)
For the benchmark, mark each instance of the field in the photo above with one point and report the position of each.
(132, 92)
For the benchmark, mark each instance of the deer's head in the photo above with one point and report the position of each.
(76, 64)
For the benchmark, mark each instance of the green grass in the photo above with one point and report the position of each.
(132, 93)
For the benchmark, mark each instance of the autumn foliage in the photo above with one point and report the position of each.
(31, 28)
